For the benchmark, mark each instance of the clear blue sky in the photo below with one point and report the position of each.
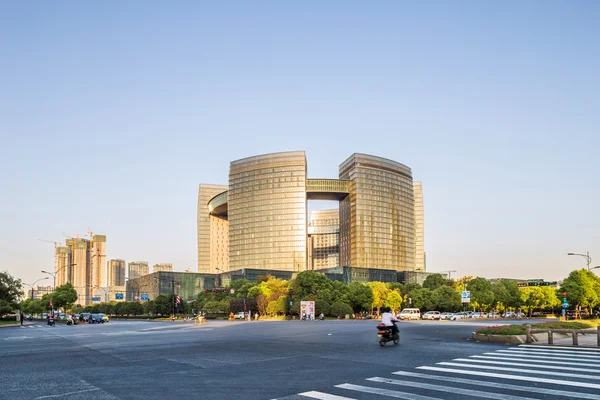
(111, 114)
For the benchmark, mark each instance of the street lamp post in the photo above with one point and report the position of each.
(586, 256)
(33, 284)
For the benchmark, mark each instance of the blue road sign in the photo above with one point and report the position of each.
(95, 298)
(466, 296)
(564, 312)
(565, 305)
(144, 296)
(119, 296)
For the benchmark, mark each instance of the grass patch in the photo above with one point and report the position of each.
(8, 322)
(520, 329)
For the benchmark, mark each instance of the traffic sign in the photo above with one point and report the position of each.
(95, 298)
(119, 296)
(565, 305)
(144, 296)
(466, 296)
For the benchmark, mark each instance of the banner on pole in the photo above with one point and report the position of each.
(307, 310)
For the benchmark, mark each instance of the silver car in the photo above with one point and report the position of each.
(446, 315)
(432, 315)
(459, 315)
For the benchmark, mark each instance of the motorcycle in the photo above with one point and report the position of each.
(71, 321)
(51, 321)
(384, 333)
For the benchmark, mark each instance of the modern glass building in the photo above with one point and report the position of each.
(419, 228)
(258, 222)
(186, 285)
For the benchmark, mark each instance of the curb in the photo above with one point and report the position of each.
(506, 339)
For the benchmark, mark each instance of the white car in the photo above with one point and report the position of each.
(446, 315)
(409, 313)
(241, 315)
(459, 315)
(432, 315)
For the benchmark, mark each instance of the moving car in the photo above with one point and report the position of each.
(97, 318)
(85, 316)
(433, 315)
(410, 313)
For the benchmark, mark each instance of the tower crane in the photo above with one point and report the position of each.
(449, 273)
(56, 244)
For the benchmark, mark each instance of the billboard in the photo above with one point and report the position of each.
(307, 310)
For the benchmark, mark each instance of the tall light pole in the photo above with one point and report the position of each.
(33, 284)
(56, 272)
(586, 256)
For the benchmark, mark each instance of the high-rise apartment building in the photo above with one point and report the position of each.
(267, 212)
(164, 267)
(420, 265)
(324, 239)
(62, 268)
(98, 261)
(116, 273)
(377, 218)
(137, 269)
(37, 292)
(260, 221)
(213, 232)
(81, 269)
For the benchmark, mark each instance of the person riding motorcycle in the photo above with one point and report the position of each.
(388, 319)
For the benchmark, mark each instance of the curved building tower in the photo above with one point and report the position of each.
(267, 212)
(377, 218)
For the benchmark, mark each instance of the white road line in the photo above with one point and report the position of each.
(497, 385)
(582, 349)
(526, 355)
(548, 353)
(570, 352)
(565, 362)
(449, 389)
(385, 392)
(66, 394)
(513, 377)
(323, 396)
(597, 371)
(530, 371)
(18, 337)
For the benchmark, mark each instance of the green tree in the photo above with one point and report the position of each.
(360, 296)
(241, 288)
(423, 299)
(31, 306)
(307, 285)
(217, 307)
(278, 306)
(446, 298)
(583, 289)
(434, 281)
(393, 301)
(64, 296)
(550, 299)
(531, 298)
(482, 296)
(380, 292)
(340, 309)
(262, 303)
(10, 292)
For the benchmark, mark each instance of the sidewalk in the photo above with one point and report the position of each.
(17, 324)
(588, 340)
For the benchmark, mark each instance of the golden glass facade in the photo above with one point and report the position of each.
(377, 217)
(267, 212)
(62, 269)
(419, 228)
(219, 244)
(98, 261)
(205, 194)
(324, 239)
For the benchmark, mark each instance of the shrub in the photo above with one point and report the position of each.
(340, 309)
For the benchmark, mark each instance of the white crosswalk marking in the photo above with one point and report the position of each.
(581, 349)
(467, 392)
(561, 368)
(385, 392)
(563, 373)
(453, 379)
(323, 396)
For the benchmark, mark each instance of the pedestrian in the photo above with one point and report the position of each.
(256, 316)
(21, 317)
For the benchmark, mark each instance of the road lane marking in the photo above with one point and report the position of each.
(66, 394)
(548, 353)
(564, 362)
(385, 392)
(581, 349)
(450, 389)
(323, 396)
(525, 355)
(563, 374)
(18, 337)
(497, 385)
(528, 365)
(513, 377)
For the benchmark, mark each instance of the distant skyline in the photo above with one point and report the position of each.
(112, 114)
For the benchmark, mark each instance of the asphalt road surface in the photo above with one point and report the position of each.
(331, 360)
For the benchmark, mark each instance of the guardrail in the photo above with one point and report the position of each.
(574, 333)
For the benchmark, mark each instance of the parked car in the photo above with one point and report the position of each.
(446, 315)
(478, 315)
(240, 315)
(493, 315)
(85, 316)
(433, 315)
(459, 315)
(409, 313)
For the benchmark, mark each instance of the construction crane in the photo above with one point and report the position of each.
(449, 273)
(77, 235)
(56, 244)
